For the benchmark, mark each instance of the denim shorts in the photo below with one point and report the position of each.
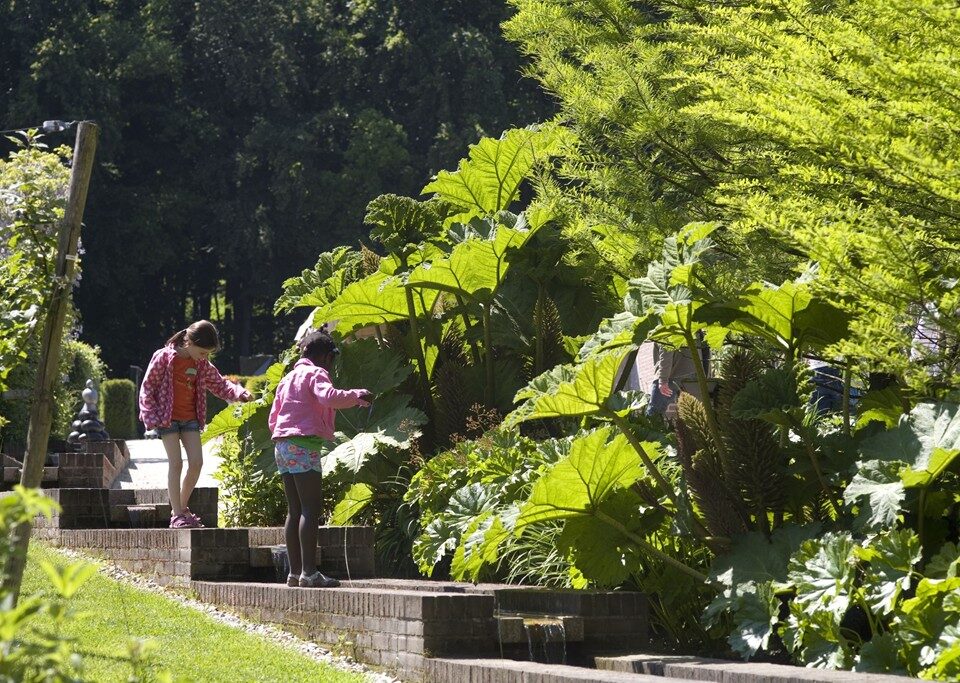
(179, 427)
(293, 458)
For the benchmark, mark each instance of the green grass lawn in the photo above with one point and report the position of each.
(189, 644)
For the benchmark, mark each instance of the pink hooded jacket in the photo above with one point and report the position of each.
(305, 402)
(156, 391)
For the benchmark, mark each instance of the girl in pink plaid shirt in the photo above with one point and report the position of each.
(173, 401)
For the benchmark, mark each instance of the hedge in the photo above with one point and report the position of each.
(118, 408)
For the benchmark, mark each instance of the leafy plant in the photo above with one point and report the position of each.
(27, 651)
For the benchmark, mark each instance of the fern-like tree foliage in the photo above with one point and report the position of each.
(813, 131)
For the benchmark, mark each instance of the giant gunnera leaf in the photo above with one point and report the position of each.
(571, 391)
(927, 440)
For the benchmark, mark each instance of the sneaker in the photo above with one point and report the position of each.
(293, 580)
(181, 522)
(198, 523)
(318, 580)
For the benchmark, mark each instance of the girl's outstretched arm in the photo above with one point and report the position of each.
(331, 397)
(222, 387)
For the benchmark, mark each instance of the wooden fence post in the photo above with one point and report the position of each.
(41, 409)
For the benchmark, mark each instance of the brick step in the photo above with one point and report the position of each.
(390, 628)
(446, 670)
(143, 516)
(100, 508)
(176, 556)
(269, 563)
(683, 667)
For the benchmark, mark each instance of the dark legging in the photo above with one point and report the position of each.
(303, 517)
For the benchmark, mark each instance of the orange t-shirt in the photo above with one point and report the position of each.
(184, 388)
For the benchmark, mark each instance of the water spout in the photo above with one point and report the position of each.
(546, 640)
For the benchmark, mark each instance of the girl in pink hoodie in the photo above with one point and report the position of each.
(301, 422)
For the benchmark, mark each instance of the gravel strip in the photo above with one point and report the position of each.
(279, 636)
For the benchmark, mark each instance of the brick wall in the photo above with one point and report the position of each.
(168, 556)
(394, 629)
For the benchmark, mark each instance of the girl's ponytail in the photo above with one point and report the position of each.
(202, 333)
(177, 339)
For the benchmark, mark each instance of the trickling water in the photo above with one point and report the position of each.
(281, 563)
(546, 640)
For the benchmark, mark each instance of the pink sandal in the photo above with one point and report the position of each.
(181, 522)
(197, 522)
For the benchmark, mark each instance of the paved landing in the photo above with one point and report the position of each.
(148, 466)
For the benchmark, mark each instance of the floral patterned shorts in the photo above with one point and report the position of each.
(292, 458)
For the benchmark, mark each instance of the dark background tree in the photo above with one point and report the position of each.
(240, 139)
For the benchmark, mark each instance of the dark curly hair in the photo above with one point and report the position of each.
(317, 344)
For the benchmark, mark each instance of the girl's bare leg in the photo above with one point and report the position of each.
(194, 449)
(171, 444)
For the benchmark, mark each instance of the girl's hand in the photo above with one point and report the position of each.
(365, 398)
(246, 396)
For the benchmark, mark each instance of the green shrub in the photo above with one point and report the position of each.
(251, 491)
(118, 401)
(256, 383)
(33, 647)
(78, 363)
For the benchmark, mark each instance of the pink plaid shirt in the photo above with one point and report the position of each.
(156, 392)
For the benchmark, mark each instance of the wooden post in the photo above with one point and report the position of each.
(41, 409)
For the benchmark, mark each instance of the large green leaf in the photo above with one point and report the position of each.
(879, 484)
(816, 638)
(586, 392)
(365, 364)
(756, 612)
(927, 440)
(755, 558)
(355, 501)
(928, 625)
(474, 268)
(577, 484)
(823, 572)
(945, 564)
(321, 284)
(401, 223)
(484, 553)
(881, 655)
(362, 432)
(489, 180)
(602, 553)
(623, 329)
(891, 557)
(787, 316)
(376, 299)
